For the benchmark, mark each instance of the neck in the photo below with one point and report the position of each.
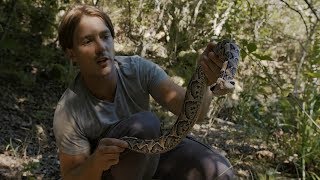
(103, 87)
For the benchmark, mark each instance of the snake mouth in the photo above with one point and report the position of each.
(229, 85)
(223, 86)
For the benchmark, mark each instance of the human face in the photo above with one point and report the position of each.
(93, 47)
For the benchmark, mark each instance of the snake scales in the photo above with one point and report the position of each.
(196, 89)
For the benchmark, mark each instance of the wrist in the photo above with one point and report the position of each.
(87, 170)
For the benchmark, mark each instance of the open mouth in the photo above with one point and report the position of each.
(102, 61)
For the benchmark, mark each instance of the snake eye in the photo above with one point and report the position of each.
(232, 82)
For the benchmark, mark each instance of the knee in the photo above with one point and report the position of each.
(217, 167)
(208, 167)
(144, 125)
(205, 162)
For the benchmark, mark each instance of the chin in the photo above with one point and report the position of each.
(106, 71)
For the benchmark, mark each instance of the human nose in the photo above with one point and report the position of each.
(100, 46)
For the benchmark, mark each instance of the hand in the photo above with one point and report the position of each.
(211, 64)
(108, 152)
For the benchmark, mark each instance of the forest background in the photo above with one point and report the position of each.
(268, 127)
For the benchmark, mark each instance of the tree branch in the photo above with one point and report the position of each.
(224, 17)
(305, 24)
(312, 9)
(196, 12)
(95, 3)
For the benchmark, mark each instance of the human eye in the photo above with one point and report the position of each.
(86, 41)
(105, 35)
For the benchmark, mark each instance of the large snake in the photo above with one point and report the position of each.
(195, 93)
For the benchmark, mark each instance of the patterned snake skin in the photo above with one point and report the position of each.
(196, 89)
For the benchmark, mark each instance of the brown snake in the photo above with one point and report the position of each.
(196, 89)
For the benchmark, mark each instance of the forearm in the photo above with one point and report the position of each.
(171, 96)
(179, 100)
(86, 170)
(177, 104)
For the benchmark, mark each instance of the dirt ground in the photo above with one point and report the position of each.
(28, 150)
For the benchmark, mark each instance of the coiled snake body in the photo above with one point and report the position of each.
(196, 89)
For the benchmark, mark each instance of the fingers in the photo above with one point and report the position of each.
(110, 149)
(108, 152)
(209, 52)
(114, 161)
(114, 142)
(215, 59)
(211, 63)
(212, 76)
(111, 146)
(210, 47)
(110, 157)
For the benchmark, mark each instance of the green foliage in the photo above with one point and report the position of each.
(31, 166)
(185, 65)
(11, 146)
(28, 38)
(19, 77)
(278, 73)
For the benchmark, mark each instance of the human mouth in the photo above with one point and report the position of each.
(102, 62)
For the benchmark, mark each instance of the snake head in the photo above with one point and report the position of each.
(230, 53)
(229, 84)
(222, 87)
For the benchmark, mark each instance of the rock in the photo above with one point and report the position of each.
(265, 154)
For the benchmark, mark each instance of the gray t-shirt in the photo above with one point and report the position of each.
(81, 119)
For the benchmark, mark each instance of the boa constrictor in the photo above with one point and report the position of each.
(229, 52)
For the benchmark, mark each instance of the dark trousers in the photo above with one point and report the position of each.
(190, 160)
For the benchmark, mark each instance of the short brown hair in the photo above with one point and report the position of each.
(72, 18)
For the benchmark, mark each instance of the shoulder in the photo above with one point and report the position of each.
(71, 95)
(62, 114)
(131, 66)
(132, 61)
(143, 70)
(69, 99)
(69, 136)
(66, 122)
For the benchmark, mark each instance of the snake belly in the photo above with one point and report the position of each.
(195, 93)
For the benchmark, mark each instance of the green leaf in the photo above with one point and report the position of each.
(243, 54)
(228, 27)
(314, 175)
(262, 57)
(252, 47)
(313, 75)
(244, 42)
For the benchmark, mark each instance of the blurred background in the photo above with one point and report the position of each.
(269, 127)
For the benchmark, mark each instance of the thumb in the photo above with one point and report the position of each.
(114, 142)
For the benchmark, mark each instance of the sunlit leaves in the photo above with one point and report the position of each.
(251, 48)
(262, 57)
(313, 74)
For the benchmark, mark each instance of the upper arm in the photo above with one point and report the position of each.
(70, 162)
(169, 95)
(69, 137)
(155, 81)
(73, 147)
